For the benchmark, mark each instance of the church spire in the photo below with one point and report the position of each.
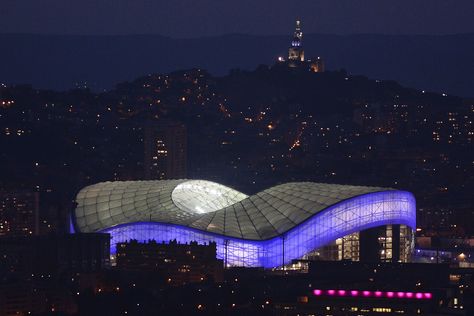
(296, 52)
(298, 35)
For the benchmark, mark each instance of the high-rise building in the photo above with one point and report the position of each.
(296, 51)
(19, 213)
(165, 150)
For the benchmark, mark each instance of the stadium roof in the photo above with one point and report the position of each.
(209, 206)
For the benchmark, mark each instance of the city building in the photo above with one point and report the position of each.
(316, 65)
(458, 252)
(31, 298)
(364, 288)
(296, 55)
(361, 302)
(165, 152)
(179, 263)
(19, 213)
(268, 229)
(54, 254)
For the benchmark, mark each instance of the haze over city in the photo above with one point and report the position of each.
(236, 158)
(190, 19)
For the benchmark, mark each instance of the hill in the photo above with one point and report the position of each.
(434, 63)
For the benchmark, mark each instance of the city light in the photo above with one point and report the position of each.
(376, 294)
(112, 200)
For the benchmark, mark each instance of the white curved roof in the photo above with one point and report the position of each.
(208, 206)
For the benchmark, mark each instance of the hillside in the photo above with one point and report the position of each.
(433, 63)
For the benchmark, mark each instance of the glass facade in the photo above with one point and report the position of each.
(349, 246)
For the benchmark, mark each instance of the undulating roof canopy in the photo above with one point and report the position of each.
(208, 206)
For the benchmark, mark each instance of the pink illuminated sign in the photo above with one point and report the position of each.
(377, 294)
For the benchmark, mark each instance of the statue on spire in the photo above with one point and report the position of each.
(298, 35)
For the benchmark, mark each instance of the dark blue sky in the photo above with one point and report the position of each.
(194, 18)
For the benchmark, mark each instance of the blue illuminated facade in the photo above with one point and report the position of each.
(268, 229)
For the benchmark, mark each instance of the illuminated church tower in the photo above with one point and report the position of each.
(296, 58)
(296, 51)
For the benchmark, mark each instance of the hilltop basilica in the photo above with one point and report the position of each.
(296, 58)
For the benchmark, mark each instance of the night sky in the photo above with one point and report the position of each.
(194, 18)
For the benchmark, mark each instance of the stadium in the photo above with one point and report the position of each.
(298, 220)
